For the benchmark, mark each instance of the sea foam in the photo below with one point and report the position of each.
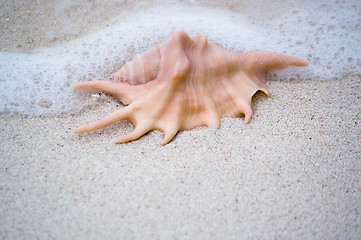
(39, 82)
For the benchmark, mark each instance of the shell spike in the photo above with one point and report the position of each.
(168, 136)
(117, 116)
(137, 133)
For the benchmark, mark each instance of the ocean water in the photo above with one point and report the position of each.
(38, 81)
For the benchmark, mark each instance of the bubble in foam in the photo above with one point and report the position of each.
(40, 82)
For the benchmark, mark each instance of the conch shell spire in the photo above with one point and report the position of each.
(184, 83)
(142, 69)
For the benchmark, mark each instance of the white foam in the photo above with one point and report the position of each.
(40, 82)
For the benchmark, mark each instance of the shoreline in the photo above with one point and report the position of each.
(294, 171)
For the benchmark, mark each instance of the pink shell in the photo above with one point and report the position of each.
(186, 82)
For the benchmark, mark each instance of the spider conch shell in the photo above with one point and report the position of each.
(186, 82)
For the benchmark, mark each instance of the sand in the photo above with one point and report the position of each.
(292, 173)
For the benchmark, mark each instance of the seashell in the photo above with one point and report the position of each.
(186, 82)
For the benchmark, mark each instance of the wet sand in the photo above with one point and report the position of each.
(26, 25)
(292, 173)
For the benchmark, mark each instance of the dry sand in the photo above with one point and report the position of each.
(292, 173)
